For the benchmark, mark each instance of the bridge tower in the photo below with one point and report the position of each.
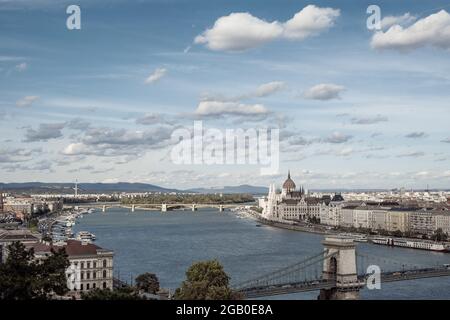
(194, 208)
(164, 207)
(340, 267)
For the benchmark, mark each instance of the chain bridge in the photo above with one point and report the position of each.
(339, 272)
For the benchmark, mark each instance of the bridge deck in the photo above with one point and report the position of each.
(286, 288)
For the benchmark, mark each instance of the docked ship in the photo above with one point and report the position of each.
(356, 237)
(85, 236)
(413, 244)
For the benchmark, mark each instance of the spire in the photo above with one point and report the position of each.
(289, 174)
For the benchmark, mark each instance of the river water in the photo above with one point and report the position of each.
(168, 243)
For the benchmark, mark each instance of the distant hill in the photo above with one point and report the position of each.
(41, 187)
(245, 188)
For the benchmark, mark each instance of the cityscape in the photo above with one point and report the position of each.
(247, 152)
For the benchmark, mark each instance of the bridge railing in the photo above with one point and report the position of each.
(309, 269)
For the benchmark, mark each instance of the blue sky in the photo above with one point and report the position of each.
(356, 108)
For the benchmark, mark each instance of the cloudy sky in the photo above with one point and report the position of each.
(356, 108)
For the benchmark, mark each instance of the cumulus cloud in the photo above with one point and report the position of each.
(241, 31)
(215, 108)
(413, 154)
(116, 142)
(369, 120)
(78, 124)
(26, 101)
(415, 135)
(447, 140)
(153, 118)
(156, 75)
(337, 137)
(433, 30)
(324, 91)
(9, 155)
(267, 89)
(402, 20)
(45, 132)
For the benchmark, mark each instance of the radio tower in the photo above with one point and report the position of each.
(76, 188)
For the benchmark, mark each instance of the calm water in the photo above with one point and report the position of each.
(167, 244)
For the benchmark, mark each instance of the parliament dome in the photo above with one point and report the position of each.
(289, 183)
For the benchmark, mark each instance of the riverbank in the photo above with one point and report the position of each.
(409, 243)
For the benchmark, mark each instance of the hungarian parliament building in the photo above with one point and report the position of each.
(292, 205)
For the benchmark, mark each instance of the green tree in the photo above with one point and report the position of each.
(124, 293)
(22, 277)
(147, 282)
(206, 280)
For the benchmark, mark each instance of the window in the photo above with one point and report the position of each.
(82, 277)
(94, 285)
(104, 263)
(81, 287)
(104, 274)
(94, 275)
(104, 285)
(88, 265)
(95, 264)
(87, 286)
(82, 265)
(88, 275)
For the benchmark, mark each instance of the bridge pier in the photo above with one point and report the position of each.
(340, 267)
(164, 207)
(220, 208)
(103, 208)
(194, 208)
(132, 208)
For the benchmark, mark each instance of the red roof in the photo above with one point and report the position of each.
(73, 248)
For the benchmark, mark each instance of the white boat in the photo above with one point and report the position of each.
(413, 244)
(85, 236)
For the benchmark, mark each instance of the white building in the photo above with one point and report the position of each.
(290, 204)
(90, 266)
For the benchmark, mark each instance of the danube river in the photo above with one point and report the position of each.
(168, 243)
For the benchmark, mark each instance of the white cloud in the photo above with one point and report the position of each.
(75, 149)
(337, 137)
(269, 88)
(45, 132)
(310, 21)
(402, 20)
(156, 75)
(241, 31)
(324, 91)
(433, 30)
(26, 101)
(369, 119)
(211, 107)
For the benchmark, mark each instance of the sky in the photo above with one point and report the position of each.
(355, 107)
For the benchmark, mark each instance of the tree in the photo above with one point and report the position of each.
(206, 280)
(148, 282)
(22, 277)
(124, 293)
(439, 235)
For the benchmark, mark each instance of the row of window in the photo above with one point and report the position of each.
(94, 275)
(88, 286)
(94, 264)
